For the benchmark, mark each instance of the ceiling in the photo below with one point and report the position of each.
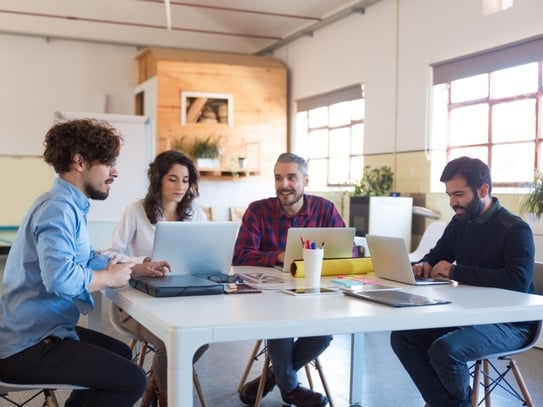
(242, 26)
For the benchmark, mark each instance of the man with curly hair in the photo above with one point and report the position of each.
(51, 271)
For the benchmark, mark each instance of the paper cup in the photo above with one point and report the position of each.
(313, 267)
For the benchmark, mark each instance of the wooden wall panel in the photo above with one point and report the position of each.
(259, 89)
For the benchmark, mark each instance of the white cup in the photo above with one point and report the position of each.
(313, 267)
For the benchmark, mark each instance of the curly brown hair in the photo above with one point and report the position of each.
(158, 170)
(96, 141)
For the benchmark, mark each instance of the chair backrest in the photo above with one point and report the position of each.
(428, 240)
(538, 278)
(114, 319)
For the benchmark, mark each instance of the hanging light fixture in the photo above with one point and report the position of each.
(168, 15)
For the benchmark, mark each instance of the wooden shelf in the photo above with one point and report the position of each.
(222, 173)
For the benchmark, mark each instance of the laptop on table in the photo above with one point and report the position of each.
(338, 243)
(391, 261)
(200, 255)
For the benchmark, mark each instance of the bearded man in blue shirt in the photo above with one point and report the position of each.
(51, 271)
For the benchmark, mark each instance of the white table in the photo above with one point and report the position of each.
(186, 323)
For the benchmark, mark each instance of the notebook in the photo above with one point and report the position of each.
(176, 285)
(338, 243)
(391, 261)
(199, 248)
(395, 298)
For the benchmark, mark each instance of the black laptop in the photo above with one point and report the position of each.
(176, 285)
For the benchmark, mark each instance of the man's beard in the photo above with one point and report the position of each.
(472, 209)
(95, 194)
(295, 199)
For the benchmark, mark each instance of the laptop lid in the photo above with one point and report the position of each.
(197, 248)
(176, 285)
(391, 261)
(338, 242)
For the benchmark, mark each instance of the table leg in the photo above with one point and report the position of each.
(357, 363)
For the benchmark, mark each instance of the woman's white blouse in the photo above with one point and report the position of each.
(133, 237)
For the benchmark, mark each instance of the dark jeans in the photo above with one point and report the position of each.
(97, 361)
(437, 359)
(288, 356)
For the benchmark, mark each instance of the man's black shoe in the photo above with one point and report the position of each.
(302, 397)
(247, 394)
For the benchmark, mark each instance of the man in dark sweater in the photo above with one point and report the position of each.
(483, 245)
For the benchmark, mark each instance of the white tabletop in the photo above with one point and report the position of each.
(186, 323)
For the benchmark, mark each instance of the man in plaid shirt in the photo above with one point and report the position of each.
(261, 242)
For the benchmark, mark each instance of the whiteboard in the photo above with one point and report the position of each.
(137, 151)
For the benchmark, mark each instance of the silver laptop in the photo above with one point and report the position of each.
(197, 248)
(391, 261)
(338, 243)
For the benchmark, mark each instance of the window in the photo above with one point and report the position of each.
(330, 134)
(489, 106)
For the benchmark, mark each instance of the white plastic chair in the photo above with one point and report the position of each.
(47, 390)
(489, 376)
(428, 240)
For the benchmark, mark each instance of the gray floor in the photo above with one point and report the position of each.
(385, 382)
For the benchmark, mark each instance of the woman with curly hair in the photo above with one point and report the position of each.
(173, 186)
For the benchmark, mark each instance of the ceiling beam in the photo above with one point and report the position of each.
(358, 8)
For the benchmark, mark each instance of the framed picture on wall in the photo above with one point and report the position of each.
(205, 107)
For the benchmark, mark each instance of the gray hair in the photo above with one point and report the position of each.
(293, 158)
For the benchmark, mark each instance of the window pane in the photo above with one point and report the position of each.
(317, 170)
(357, 139)
(357, 168)
(318, 144)
(469, 125)
(518, 80)
(358, 108)
(513, 121)
(471, 88)
(340, 114)
(338, 171)
(506, 166)
(318, 117)
(340, 143)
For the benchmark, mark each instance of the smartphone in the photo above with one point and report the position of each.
(240, 288)
(310, 291)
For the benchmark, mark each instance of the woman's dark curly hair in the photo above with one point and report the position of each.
(96, 141)
(158, 170)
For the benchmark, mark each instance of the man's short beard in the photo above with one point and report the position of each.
(95, 194)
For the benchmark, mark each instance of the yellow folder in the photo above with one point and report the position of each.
(334, 267)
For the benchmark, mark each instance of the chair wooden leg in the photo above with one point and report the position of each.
(486, 369)
(475, 386)
(143, 351)
(308, 375)
(198, 388)
(50, 398)
(318, 366)
(521, 384)
(254, 355)
(262, 383)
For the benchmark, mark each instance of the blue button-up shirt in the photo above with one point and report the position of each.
(48, 271)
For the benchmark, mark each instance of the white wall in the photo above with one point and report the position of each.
(39, 77)
(390, 49)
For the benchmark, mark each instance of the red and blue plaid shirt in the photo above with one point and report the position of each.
(263, 232)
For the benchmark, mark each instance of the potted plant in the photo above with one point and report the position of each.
(376, 181)
(206, 151)
(533, 202)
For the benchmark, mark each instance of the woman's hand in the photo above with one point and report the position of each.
(151, 269)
